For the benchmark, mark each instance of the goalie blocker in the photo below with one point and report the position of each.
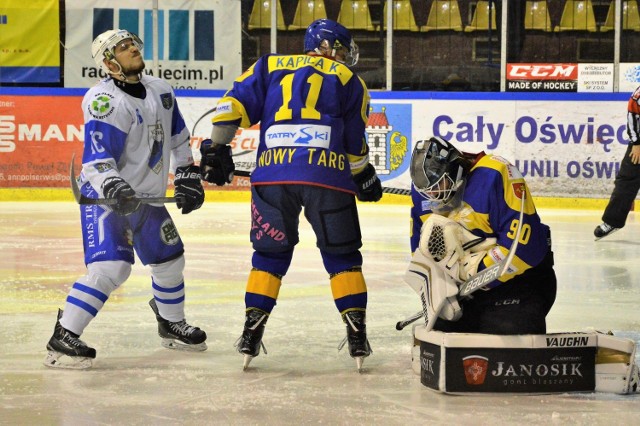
(462, 363)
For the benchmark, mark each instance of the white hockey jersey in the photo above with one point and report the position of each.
(140, 140)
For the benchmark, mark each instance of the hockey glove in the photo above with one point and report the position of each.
(216, 163)
(118, 189)
(369, 185)
(189, 192)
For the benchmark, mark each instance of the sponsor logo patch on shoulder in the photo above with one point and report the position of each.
(167, 100)
(222, 108)
(518, 189)
(101, 106)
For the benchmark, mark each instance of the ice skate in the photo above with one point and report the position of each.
(359, 347)
(603, 230)
(251, 340)
(66, 350)
(179, 335)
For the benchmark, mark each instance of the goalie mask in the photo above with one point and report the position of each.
(329, 38)
(103, 47)
(437, 172)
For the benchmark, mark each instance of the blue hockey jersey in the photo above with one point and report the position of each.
(312, 112)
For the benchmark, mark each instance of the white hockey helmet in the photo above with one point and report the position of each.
(103, 46)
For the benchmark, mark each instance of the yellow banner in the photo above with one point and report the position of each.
(30, 37)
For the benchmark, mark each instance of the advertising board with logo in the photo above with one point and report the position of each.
(520, 370)
(551, 363)
(563, 77)
(195, 48)
(542, 77)
(38, 135)
(430, 359)
(564, 148)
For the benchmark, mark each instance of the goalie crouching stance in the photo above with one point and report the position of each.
(470, 219)
(467, 210)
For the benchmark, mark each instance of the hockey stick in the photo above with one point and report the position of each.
(193, 130)
(410, 320)
(386, 190)
(81, 199)
(396, 191)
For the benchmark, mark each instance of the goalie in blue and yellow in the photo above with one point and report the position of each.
(466, 213)
(313, 155)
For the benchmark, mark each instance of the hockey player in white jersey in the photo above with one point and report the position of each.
(134, 135)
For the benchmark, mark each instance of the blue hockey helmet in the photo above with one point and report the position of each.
(329, 38)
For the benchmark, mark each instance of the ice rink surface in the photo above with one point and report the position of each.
(303, 379)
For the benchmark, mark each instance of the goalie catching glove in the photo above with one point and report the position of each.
(369, 185)
(189, 192)
(455, 250)
(216, 164)
(118, 189)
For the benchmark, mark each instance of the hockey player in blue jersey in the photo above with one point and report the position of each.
(133, 131)
(313, 156)
(476, 198)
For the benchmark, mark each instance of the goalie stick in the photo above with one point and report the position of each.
(410, 320)
(480, 279)
(83, 200)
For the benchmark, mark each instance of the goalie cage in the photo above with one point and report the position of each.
(465, 363)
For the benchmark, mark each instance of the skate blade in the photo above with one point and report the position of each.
(605, 236)
(246, 361)
(60, 360)
(181, 346)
